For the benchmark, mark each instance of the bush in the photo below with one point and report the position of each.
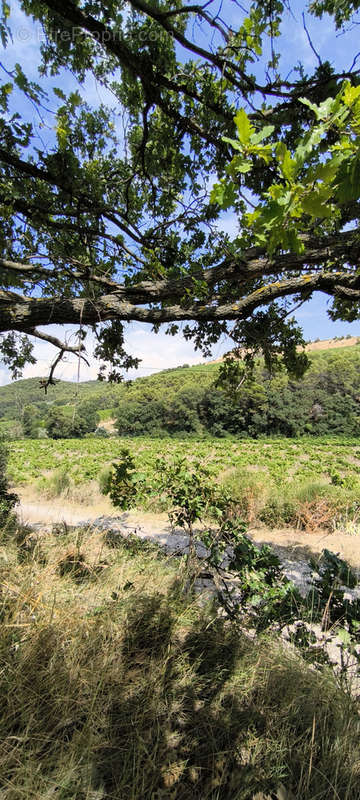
(7, 499)
(124, 482)
(102, 433)
(278, 512)
(310, 505)
(57, 484)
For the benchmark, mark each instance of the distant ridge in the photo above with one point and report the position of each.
(186, 395)
(321, 344)
(329, 344)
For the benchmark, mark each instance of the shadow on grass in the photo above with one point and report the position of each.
(156, 698)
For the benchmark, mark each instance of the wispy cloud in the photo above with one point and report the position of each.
(156, 351)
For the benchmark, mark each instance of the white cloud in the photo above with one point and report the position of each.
(156, 351)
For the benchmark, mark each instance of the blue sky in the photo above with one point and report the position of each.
(160, 351)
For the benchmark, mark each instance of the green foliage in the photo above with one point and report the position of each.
(263, 590)
(256, 588)
(123, 482)
(102, 433)
(31, 421)
(327, 597)
(315, 179)
(342, 10)
(324, 400)
(16, 351)
(18, 394)
(230, 398)
(132, 205)
(191, 494)
(83, 420)
(246, 466)
(58, 426)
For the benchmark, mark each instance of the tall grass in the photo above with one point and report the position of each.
(309, 504)
(123, 686)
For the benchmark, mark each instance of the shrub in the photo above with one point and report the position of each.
(56, 484)
(278, 512)
(102, 433)
(7, 499)
(307, 505)
(124, 483)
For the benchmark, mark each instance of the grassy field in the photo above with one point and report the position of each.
(119, 682)
(116, 683)
(302, 482)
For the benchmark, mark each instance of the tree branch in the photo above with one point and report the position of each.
(23, 313)
(239, 270)
(63, 348)
(66, 348)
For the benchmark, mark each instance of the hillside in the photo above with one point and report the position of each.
(185, 400)
(330, 344)
(23, 392)
(18, 394)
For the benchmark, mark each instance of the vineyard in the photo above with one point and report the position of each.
(283, 460)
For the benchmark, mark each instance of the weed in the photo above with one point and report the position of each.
(250, 491)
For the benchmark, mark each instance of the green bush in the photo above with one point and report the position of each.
(102, 433)
(56, 484)
(278, 512)
(7, 499)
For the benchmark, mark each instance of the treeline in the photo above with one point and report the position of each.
(68, 422)
(186, 400)
(326, 400)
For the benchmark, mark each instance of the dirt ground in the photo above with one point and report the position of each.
(295, 544)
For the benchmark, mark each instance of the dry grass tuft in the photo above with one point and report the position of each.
(73, 563)
(315, 515)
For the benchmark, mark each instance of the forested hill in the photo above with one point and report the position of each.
(18, 394)
(186, 400)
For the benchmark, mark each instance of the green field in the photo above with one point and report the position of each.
(284, 460)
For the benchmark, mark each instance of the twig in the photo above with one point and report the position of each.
(310, 41)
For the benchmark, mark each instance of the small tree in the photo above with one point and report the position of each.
(191, 494)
